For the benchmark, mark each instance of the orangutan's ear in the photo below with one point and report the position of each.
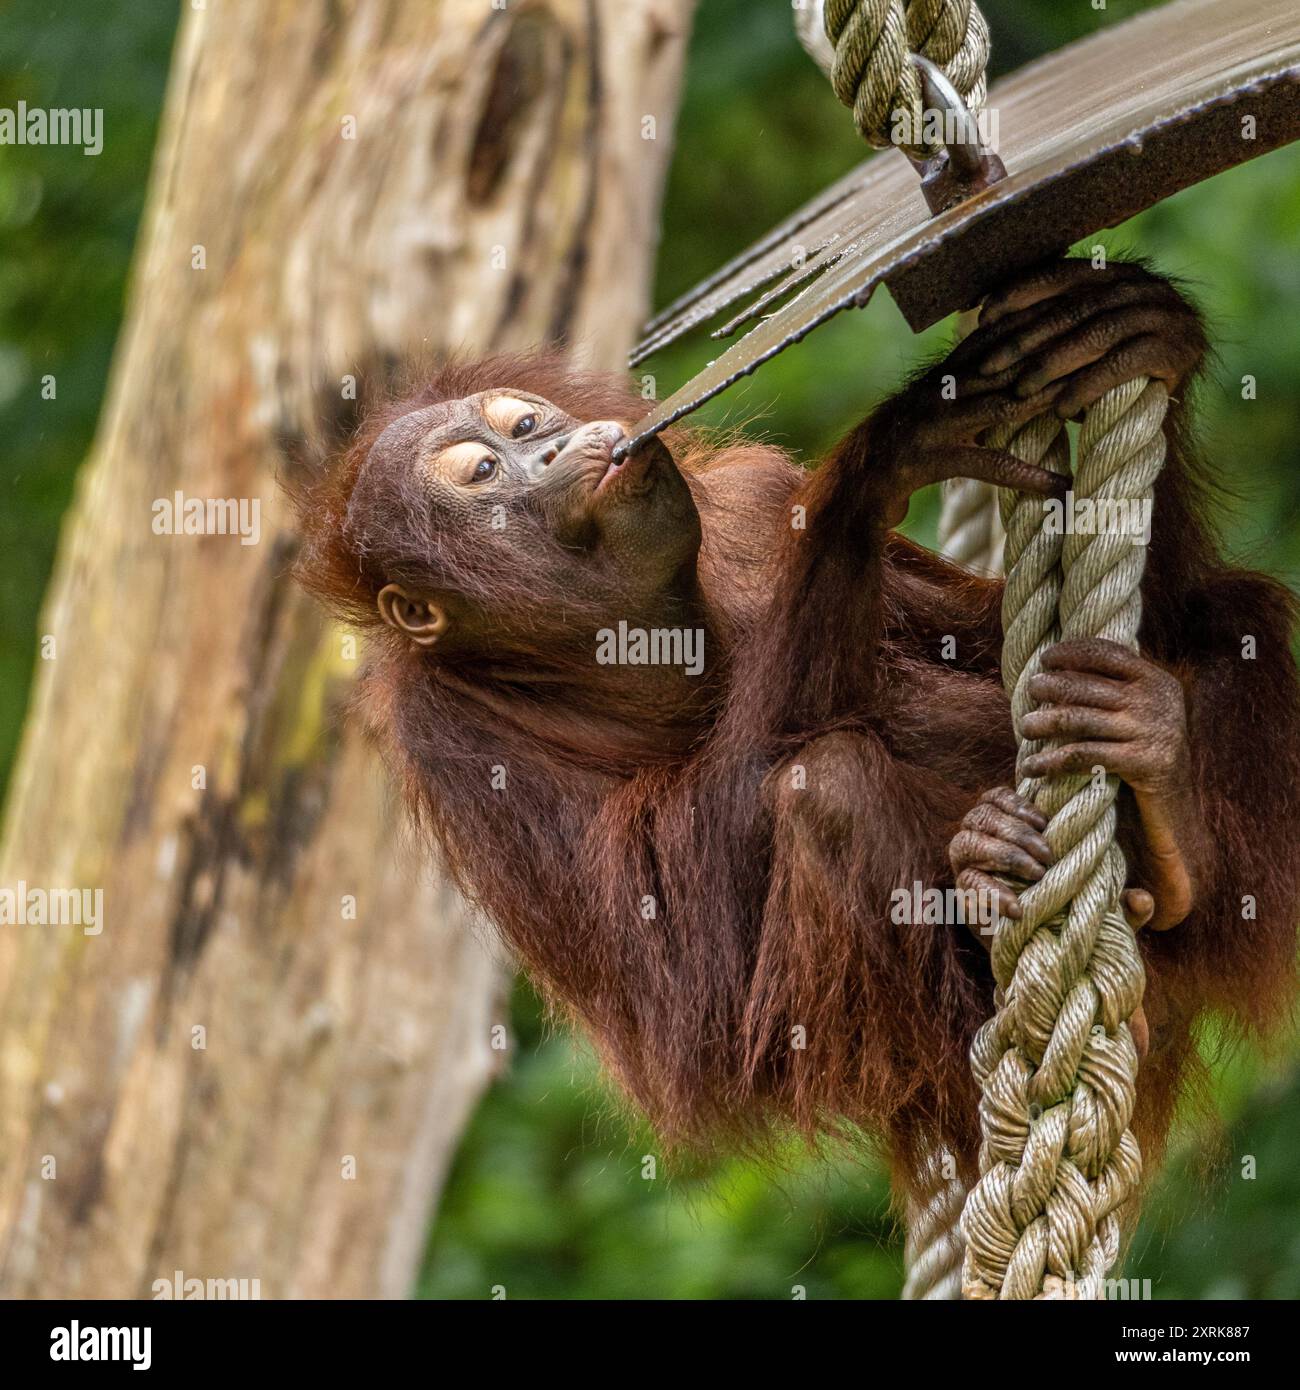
(423, 622)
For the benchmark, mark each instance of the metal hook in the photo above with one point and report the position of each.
(941, 95)
(966, 166)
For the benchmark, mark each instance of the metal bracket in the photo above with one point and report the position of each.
(966, 166)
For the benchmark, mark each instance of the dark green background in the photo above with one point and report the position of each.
(547, 1196)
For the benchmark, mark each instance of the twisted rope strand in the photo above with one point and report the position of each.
(1056, 1063)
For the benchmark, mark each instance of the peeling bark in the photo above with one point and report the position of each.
(498, 189)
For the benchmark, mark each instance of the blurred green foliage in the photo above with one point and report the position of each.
(549, 1195)
(552, 1197)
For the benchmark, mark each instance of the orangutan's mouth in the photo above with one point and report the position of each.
(611, 472)
(631, 474)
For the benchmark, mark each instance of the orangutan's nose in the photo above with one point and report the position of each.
(551, 450)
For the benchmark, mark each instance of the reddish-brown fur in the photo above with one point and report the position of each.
(772, 904)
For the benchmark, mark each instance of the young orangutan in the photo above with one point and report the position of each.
(700, 866)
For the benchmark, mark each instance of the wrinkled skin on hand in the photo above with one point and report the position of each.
(1059, 339)
(1055, 339)
(1001, 839)
(1103, 706)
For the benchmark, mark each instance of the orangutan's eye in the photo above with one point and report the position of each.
(511, 417)
(466, 464)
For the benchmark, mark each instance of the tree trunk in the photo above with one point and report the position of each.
(260, 1066)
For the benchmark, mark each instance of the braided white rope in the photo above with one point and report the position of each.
(1056, 1063)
